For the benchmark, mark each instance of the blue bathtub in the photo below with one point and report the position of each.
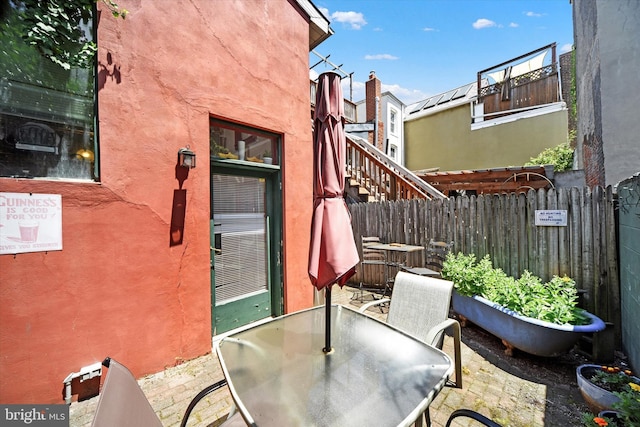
(524, 333)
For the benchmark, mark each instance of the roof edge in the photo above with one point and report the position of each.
(320, 28)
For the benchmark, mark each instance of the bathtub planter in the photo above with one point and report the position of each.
(530, 335)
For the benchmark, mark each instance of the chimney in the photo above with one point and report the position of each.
(373, 90)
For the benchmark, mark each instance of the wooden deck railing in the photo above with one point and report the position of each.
(539, 87)
(523, 91)
(382, 177)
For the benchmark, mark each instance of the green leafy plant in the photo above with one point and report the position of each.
(467, 274)
(57, 28)
(573, 98)
(561, 157)
(628, 407)
(555, 301)
(218, 149)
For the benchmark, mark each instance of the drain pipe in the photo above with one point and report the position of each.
(86, 373)
(375, 137)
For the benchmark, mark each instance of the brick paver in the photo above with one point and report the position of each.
(509, 399)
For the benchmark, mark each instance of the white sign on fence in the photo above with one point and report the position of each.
(30, 222)
(551, 218)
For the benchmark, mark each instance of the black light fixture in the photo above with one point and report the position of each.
(186, 158)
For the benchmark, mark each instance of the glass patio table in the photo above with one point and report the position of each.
(279, 375)
(401, 248)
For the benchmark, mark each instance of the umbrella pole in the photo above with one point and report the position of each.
(327, 321)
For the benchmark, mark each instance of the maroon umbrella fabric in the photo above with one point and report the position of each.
(333, 255)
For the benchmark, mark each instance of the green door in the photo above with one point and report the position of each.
(245, 246)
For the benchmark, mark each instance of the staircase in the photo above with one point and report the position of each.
(374, 177)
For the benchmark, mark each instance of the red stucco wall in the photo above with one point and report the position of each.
(118, 288)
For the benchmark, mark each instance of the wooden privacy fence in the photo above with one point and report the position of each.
(503, 226)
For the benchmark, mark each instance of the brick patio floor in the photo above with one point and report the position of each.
(489, 386)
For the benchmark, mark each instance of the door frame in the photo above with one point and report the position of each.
(274, 209)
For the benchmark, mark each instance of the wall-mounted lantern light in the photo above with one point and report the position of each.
(186, 158)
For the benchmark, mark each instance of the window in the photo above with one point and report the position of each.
(392, 121)
(239, 214)
(46, 112)
(392, 152)
(236, 142)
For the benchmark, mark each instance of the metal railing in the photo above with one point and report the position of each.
(383, 178)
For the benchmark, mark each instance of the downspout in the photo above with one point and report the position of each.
(375, 138)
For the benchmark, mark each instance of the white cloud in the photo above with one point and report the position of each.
(484, 23)
(533, 14)
(513, 25)
(406, 95)
(382, 56)
(354, 19)
(566, 48)
(428, 29)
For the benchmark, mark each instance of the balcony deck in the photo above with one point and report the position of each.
(525, 82)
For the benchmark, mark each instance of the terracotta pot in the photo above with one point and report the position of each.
(597, 398)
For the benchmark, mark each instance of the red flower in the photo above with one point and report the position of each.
(600, 421)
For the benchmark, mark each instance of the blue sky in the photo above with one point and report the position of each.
(420, 48)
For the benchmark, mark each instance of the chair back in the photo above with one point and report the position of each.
(419, 303)
(436, 254)
(122, 402)
(366, 241)
(373, 271)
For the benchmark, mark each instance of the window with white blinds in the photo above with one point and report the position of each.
(240, 219)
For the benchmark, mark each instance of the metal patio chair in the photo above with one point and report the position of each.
(368, 241)
(122, 402)
(373, 269)
(420, 307)
(435, 256)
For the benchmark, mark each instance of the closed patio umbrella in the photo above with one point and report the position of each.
(333, 255)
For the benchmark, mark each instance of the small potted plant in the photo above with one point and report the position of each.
(266, 157)
(607, 388)
(601, 420)
(217, 149)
